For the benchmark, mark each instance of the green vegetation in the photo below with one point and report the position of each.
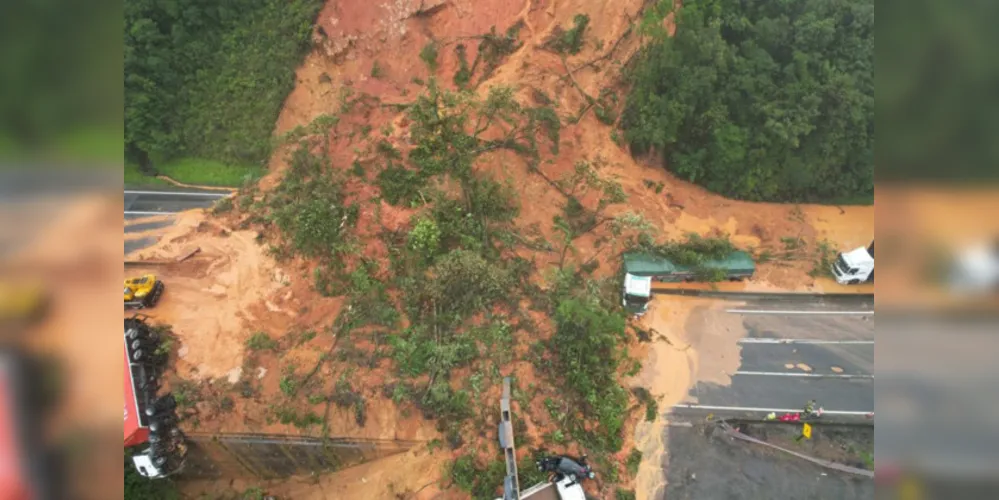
(344, 396)
(261, 341)
(605, 106)
(494, 47)
(376, 70)
(207, 80)
(825, 255)
(425, 238)
(289, 416)
(569, 41)
(135, 178)
(464, 73)
(253, 493)
(634, 460)
(310, 207)
(759, 100)
(481, 482)
(868, 458)
(208, 173)
(223, 205)
(288, 385)
(622, 494)
(693, 252)
(429, 55)
(587, 347)
(455, 293)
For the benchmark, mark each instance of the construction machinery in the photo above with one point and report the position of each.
(22, 303)
(142, 292)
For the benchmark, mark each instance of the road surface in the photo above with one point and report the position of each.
(795, 351)
(143, 204)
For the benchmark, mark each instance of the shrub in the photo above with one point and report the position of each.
(223, 205)
(425, 238)
(481, 482)
(464, 73)
(463, 472)
(288, 385)
(309, 206)
(622, 494)
(261, 341)
(571, 41)
(587, 353)
(429, 55)
(400, 186)
(634, 460)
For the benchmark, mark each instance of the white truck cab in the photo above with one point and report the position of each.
(144, 465)
(855, 266)
(637, 293)
(563, 489)
(976, 269)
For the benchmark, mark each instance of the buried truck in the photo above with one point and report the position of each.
(150, 418)
(640, 269)
(855, 266)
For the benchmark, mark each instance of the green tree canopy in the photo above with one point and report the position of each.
(760, 99)
(207, 78)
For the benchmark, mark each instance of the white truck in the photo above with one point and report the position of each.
(563, 489)
(855, 266)
(975, 269)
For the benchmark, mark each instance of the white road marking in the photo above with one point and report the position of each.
(127, 212)
(800, 374)
(220, 194)
(751, 409)
(757, 340)
(767, 311)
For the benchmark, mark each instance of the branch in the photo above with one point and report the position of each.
(606, 54)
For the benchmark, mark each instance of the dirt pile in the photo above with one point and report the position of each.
(217, 298)
(687, 343)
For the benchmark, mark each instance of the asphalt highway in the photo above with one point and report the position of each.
(143, 204)
(795, 351)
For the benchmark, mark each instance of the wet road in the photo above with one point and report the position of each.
(146, 204)
(792, 350)
(795, 351)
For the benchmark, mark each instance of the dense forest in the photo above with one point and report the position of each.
(207, 79)
(760, 99)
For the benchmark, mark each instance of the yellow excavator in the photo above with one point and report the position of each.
(22, 303)
(142, 292)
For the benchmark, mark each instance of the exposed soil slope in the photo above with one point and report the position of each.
(217, 300)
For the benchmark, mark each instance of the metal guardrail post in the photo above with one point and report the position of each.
(511, 485)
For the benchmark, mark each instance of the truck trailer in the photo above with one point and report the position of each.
(641, 269)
